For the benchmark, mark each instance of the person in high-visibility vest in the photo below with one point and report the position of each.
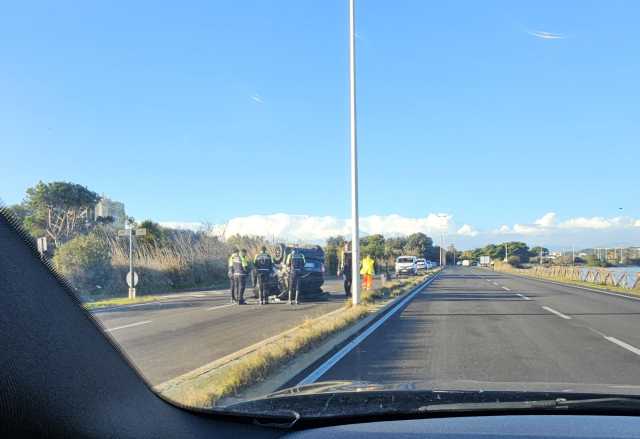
(295, 263)
(344, 269)
(367, 271)
(263, 264)
(234, 263)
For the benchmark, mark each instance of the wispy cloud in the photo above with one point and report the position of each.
(546, 35)
(257, 99)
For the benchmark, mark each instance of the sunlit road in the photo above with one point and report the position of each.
(474, 328)
(185, 331)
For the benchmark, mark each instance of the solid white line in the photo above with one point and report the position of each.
(220, 306)
(324, 367)
(523, 296)
(131, 325)
(558, 313)
(627, 346)
(506, 289)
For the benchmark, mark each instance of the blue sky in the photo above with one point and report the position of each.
(208, 111)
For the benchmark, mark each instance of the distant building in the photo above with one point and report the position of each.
(109, 208)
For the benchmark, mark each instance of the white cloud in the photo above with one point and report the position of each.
(467, 230)
(545, 35)
(306, 228)
(547, 220)
(257, 99)
(546, 230)
(595, 222)
(524, 229)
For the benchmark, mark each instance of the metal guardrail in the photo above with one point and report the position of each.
(599, 276)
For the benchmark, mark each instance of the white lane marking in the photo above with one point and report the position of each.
(558, 313)
(523, 296)
(131, 325)
(495, 283)
(506, 289)
(620, 343)
(220, 306)
(199, 295)
(324, 367)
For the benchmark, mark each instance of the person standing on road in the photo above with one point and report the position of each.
(263, 264)
(233, 263)
(345, 270)
(295, 263)
(367, 271)
(241, 275)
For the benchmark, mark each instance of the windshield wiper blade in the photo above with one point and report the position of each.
(558, 403)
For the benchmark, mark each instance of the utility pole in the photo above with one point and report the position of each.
(573, 255)
(540, 255)
(132, 287)
(506, 251)
(355, 234)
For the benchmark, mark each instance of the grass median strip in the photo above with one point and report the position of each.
(205, 389)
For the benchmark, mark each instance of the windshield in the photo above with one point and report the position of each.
(174, 161)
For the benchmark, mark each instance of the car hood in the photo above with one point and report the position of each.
(361, 398)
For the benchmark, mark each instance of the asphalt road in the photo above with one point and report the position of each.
(477, 329)
(185, 331)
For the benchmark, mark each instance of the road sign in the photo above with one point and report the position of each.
(124, 232)
(42, 245)
(135, 279)
(141, 231)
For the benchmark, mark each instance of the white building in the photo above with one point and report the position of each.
(109, 208)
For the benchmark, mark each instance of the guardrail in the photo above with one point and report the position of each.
(596, 276)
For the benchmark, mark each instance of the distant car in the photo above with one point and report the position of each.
(430, 265)
(421, 264)
(406, 265)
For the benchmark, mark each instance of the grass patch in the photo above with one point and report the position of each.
(256, 367)
(118, 301)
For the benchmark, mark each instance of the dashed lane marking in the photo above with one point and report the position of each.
(523, 296)
(558, 313)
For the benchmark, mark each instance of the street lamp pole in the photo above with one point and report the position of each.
(355, 235)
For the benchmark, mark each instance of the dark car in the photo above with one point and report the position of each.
(312, 277)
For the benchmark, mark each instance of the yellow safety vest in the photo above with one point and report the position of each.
(368, 266)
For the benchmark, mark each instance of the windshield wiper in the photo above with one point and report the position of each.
(558, 403)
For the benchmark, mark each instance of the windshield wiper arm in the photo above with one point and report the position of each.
(558, 403)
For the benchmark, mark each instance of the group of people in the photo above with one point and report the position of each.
(240, 267)
(367, 270)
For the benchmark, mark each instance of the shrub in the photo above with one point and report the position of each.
(85, 261)
(514, 261)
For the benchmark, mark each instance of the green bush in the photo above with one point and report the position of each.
(85, 261)
(514, 261)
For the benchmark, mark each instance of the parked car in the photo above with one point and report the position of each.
(421, 264)
(406, 265)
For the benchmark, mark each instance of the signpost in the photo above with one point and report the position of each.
(132, 277)
(42, 246)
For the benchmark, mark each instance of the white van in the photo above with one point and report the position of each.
(406, 265)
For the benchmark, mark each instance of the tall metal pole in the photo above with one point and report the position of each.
(355, 234)
(132, 288)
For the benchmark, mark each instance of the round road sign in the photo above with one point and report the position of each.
(135, 279)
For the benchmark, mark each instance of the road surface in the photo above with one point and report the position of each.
(474, 328)
(186, 331)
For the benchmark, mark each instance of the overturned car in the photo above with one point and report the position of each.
(311, 279)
